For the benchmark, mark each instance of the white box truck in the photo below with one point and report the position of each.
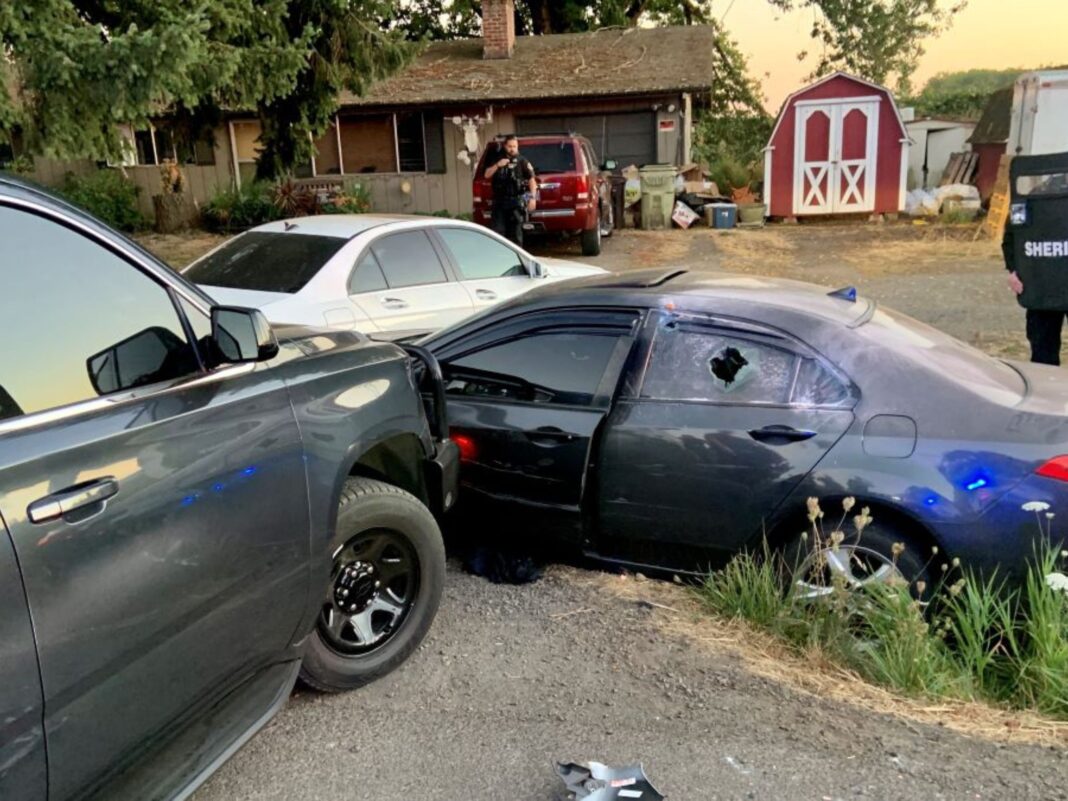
(1039, 114)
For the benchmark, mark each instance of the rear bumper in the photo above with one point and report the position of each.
(563, 220)
(1006, 537)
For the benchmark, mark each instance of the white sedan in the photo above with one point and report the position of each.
(372, 272)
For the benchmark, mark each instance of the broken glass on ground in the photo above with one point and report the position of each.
(597, 782)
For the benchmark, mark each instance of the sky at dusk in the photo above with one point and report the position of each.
(987, 33)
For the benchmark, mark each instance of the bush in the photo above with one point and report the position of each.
(237, 209)
(108, 195)
(355, 200)
(978, 639)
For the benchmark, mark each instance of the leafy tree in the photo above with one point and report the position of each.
(74, 69)
(982, 81)
(875, 39)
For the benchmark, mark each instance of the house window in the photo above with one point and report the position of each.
(390, 143)
(410, 143)
(367, 144)
(246, 135)
(151, 146)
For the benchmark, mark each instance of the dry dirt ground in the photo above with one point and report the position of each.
(585, 665)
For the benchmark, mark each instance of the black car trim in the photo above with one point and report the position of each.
(578, 317)
(606, 389)
(91, 405)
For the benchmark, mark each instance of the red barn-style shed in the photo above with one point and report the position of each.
(839, 146)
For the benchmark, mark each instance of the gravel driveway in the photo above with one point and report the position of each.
(512, 678)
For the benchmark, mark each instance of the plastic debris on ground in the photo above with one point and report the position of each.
(929, 202)
(683, 215)
(597, 782)
(632, 186)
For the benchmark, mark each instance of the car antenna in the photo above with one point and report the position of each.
(289, 226)
(845, 293)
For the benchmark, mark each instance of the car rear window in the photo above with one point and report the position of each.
(550, 157)
(945, 355)
(266, 261)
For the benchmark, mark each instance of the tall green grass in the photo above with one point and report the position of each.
(977, 639)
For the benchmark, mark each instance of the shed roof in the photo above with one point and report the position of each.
(993, 126)
(613, 61)
(794, 96)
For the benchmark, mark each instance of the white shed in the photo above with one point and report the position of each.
(934, 140)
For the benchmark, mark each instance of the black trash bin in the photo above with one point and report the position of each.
(618, 183)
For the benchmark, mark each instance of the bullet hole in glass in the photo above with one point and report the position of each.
(726, 365)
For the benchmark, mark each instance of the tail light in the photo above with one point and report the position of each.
(1056, 468)
(468, 451)
(582, 187)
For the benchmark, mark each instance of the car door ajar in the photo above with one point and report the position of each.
(526, 403)
(158, 511)
(725, 424)
(400, 282)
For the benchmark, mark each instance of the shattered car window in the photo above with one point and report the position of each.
(694, 366)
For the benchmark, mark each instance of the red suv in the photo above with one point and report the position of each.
(574, 193)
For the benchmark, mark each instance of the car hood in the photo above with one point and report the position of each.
(561, 268)
(249, 298)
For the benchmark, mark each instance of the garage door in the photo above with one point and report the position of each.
(625, 138)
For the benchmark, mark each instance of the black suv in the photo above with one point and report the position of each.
(195, 510)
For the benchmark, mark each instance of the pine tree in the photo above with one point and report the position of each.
(73, 70)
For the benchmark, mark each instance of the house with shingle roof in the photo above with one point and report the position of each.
(415, 137)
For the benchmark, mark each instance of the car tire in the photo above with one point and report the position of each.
(591, 241)
(379, 526)
(874, 548)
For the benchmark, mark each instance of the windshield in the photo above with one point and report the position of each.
(550, 157)
(265, 261)
(945, 355)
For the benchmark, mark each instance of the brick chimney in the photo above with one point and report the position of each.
(498, 28)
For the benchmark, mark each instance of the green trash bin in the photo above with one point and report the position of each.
(658, 195)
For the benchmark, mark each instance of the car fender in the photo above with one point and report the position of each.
(349, 403)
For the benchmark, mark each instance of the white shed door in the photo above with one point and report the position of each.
(834, 162)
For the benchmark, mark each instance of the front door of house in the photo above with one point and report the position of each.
(836, 154)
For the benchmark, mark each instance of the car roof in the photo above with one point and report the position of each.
(699, 291)
(346, 226)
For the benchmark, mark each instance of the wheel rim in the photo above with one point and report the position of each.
(852, 566)
(373, 586)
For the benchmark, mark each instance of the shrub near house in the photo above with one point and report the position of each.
(108, 195)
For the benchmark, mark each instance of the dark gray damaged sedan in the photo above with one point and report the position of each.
(671, 419)
(194, 508)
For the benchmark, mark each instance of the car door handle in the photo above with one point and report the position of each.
(394, 303)
(485, 294)
(550, 436)
(780, 435)
(79, 496)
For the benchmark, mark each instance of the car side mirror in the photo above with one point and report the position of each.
(242, 335)
(536, 269)
(608, 165)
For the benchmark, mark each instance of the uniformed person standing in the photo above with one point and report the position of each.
(1035, 247)
(514, 187)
